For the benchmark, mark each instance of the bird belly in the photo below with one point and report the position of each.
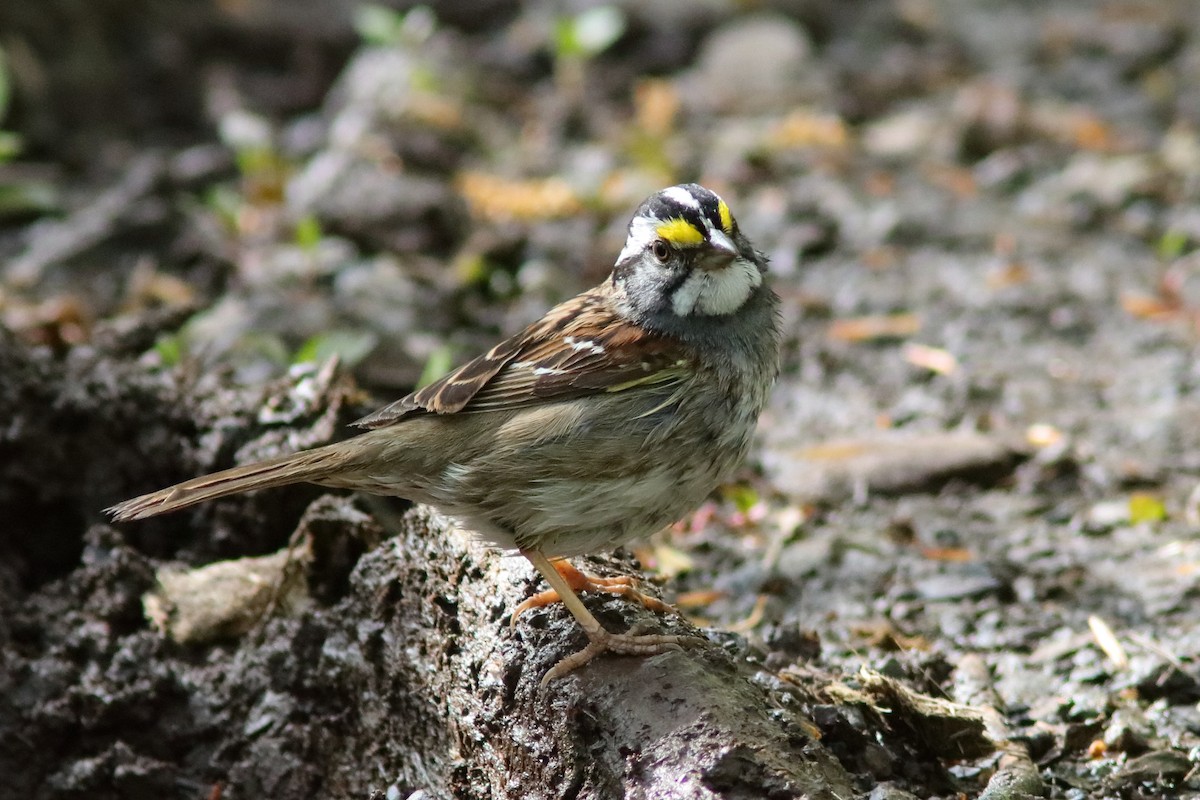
(574, 477)
(592, 500)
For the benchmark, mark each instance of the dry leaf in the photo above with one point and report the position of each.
(500, 199)
(698, 598)
(227, 598)
(1042, 434)
(934, 359)
(1107, 641)
(874, 328)
(1012, 273)
(954, 555)
(808, 129)
(656, 105)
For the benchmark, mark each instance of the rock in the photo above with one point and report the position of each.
(1162, 769)
(756, 63)
(389, 208)
(888, 791)
(909, 132)
(959, 582)
(892, 463)
(1128, 731)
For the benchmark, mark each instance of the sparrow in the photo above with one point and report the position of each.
(611, 417)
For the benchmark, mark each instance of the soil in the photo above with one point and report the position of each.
(962, 560)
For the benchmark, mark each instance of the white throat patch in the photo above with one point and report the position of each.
(719, 292)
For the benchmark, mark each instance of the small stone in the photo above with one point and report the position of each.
(1106, 515)
(904, 134)
(1161, 768)
(891, 463)
(888, 791)
(1128, 731)
(966, 580)
(355, 197)
(755, 64)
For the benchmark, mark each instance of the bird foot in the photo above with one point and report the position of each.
(566, 582)
(631, 644)
(621, 585)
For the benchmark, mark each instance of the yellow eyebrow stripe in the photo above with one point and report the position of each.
(726, 217)
(679, 232)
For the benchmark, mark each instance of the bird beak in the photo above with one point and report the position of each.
(720, 253)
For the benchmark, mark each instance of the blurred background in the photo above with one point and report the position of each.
(400, 183)
(982, 217)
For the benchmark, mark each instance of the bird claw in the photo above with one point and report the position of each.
(630, 644)
(621, 585)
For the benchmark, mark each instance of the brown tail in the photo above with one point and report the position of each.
(310, 465)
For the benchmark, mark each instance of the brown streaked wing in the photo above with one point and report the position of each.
(554, 369)
(580, 347)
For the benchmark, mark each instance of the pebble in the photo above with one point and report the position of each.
(889, 791)
(754, 64)
(394, 209)
(1160, 768)
(887, 463)
(973, 580)
(1128, 731)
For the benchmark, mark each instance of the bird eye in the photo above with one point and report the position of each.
(661, 250)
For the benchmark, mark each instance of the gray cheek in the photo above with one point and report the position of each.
(645, 289)
(660, 286)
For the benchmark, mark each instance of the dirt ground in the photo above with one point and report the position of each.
(978, 478)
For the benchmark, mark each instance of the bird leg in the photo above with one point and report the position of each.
(564, 582)
(622, 585)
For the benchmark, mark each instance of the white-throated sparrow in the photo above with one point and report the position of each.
(611, 417)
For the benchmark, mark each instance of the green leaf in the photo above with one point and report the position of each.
(265, 346)
(258, 161)
(10, 146)
(472, 269)
(590, 33)
(308, 232)
(383, 26)
(1172, 244)
(350, 347)
(437, 365)
(1146, 508)
(25, 199)
(425, 79)
(744, 497)
(169, 349)
(225, 203)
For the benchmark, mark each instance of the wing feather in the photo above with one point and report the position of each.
(580, 347)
